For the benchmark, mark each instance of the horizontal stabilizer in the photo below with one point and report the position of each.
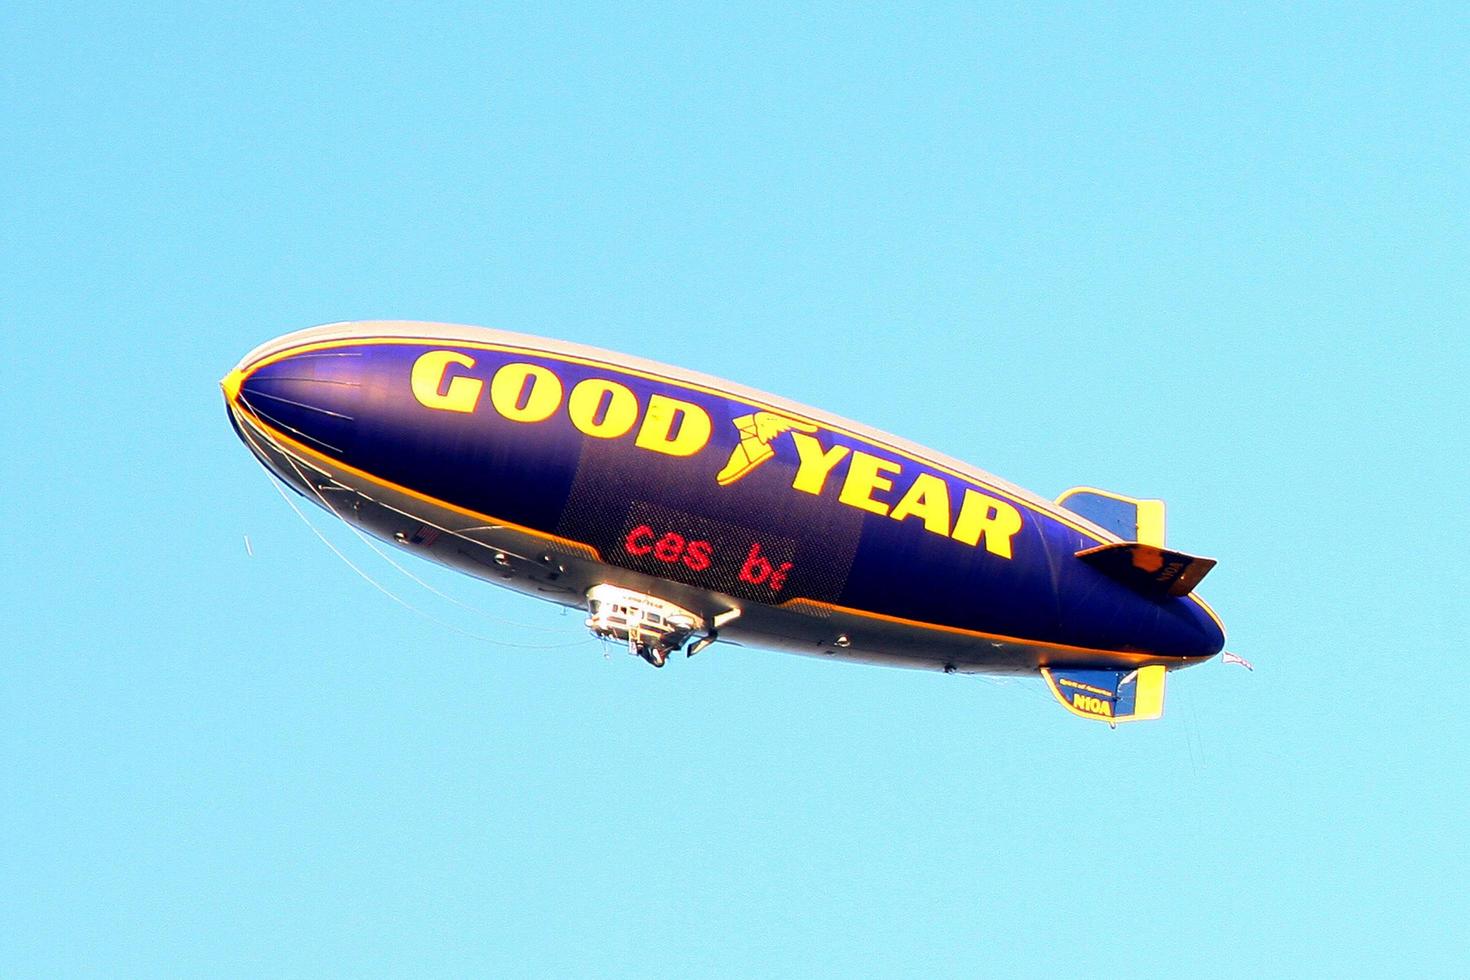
(1151, 570)
(1109, 695)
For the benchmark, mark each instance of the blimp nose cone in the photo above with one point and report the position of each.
(230, 384)
(298, 397)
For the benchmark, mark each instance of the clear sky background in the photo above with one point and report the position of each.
(1215, 254)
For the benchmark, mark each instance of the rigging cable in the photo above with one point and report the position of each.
(275, 483)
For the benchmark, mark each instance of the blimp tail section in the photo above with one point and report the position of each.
(1130, 518)
(1153, 571)
(1140, 558)
(1109, 695)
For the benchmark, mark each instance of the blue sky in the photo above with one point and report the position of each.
(1214, 254)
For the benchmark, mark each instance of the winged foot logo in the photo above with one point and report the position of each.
(757, 432)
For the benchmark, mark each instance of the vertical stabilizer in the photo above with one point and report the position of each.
(1130, 518)
(1109, 695)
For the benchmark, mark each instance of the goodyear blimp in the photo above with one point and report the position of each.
(678, 509)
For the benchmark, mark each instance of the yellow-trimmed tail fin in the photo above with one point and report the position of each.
(1109, 695)
(1130, 518)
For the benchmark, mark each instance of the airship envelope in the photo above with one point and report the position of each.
(680, 509)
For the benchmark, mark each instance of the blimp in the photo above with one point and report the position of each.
(680, 510)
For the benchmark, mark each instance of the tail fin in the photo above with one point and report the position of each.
(1140, 559)
(1109, 695)
(1153, 571)
(1129, 518)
